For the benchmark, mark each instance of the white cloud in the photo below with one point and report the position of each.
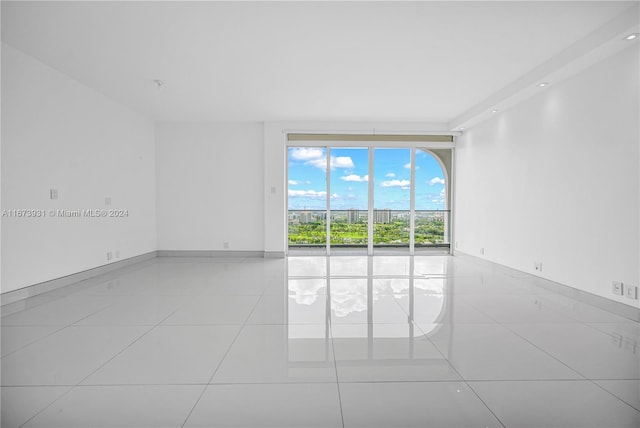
(408, 166)
(341, 162)
(306, 153)
(436, 180)
(396, 183)
(356, 178)
(318, 163)
(336, 162)
(298, 182)
(390, 175)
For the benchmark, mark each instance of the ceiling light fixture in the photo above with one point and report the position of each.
(494, 111)
(632, 36)
(543, 84)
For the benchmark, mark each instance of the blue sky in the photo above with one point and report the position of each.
(350, 176)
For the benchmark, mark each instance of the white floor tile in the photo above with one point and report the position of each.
(214, 310)
(21, 403)
(307, 266)
(490, 352)
(136, 310)
(592, 353)
(530, 308)
(169, 355)
(349, 266)
(413, 404)
(307, 309)
(270, 309)
(16, 337)
(350, 309)
(279, 354)
(67, 356)
(273, 405)
(391, 265)
(163, 406)
(388, 352)
(558, 404)
(626, 390)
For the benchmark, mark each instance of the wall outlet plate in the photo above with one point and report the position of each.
(537, 266)
(482, 251)
(109, 255)
(616, 288)
(631, 291)
(53, 194)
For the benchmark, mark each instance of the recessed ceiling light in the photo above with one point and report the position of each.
(543, 84)
(494, 111)
(632, 36)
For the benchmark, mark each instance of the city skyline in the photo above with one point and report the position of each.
(349, 175)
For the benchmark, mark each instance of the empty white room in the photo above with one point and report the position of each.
(320, 214)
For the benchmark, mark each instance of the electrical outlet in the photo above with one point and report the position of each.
(482, 251)
(631, 291)
(109, 255)
(117, 254)
(53, 193)
(616, 288)
(537, 266)
(456, 244)
(225, 245)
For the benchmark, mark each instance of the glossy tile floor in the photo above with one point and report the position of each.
(345, 341)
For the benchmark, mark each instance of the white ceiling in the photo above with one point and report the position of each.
(392, 61)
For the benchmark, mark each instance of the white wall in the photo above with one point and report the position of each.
(210, 186)
(556, 180)
(57, 133)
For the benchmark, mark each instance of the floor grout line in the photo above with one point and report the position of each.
(219, 364)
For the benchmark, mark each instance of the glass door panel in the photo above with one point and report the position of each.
(431, 216)
(307, 197)
(391, 198)
(349, 180)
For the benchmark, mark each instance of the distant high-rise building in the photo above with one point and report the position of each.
(382, 216)
(306, 217)
(353, 215)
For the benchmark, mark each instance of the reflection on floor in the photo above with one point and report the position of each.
(343, 341)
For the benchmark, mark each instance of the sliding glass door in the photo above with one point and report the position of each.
(367, 199)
